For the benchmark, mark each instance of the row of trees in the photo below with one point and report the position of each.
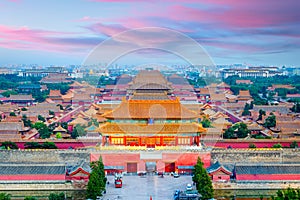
(28, 145)
(36, 145)
(294, 144)
(10, 82)
(260, 86)
(52, 196)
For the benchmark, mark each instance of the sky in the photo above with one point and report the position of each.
(61, 32)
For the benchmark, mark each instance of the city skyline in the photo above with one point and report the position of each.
(55, 32)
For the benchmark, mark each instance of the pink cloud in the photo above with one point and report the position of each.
(26, 38)
(236, 15)
(108, 30)
(223, 13)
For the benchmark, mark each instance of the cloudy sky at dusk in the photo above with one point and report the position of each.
(259, 32)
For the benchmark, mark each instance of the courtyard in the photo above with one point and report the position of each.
(141, 188)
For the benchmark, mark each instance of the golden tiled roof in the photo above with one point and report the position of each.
(113, 128)
(244, 93)
(54, 93)
(80, 121)
(146, 109)
(59, 129)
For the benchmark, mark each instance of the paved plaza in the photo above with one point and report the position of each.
(141, 188)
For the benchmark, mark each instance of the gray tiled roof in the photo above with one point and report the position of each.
(278, 108)
(217, 165)
(85, 166)
(15, 169)
(8, 126)
(268, 169)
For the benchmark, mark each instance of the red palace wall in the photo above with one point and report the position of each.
(33, 177)
(63, 144)
(180, 159)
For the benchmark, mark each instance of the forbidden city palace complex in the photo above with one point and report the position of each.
(150, 115)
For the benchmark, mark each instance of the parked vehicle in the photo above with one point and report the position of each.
(118, 180)
(186, 195)
(176, 175)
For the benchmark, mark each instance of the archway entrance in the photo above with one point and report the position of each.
(150, 167)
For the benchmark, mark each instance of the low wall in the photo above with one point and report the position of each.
(44, 156)
(241, 143)
(255, 155)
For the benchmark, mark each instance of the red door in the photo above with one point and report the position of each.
(169, 167)
(132, 167)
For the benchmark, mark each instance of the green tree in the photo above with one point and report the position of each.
(294, 144)
(287, 194)
(41, 118)
(229, 133)
(58, 135)
(49, 145)
(24, 109)
(97, 181)
(206, 123)
(8, 93)
(54, 196)
(78, 131)
(39, 125)
(239, 130)
(51, 112)
(9, 145)
(277, 146)
(26, 121)
(64, 125)
(246, 111)
(242, 130)
(261, 113)
(12, 114)
(60, 106)
(93, 121)
(30, 198)
(270, 121)
(252, 146)
(32, 145)
(296, 108)
(44, 132)
(4, 196)
(202, 181)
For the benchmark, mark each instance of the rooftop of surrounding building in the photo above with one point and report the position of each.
(147, 109)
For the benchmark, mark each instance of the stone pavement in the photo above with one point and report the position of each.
(141, 188)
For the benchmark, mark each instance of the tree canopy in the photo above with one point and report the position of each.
(287, 194)
(206, 123)
(78, 131)
(202, 181)
(30, 198)
(54, 196)
(238, 130)
(4, 196)
(97, 181)
(270, 121)
(9, 145)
